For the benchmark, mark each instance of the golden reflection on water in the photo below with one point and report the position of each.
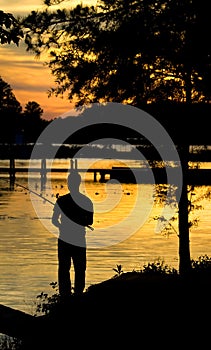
(28, 243)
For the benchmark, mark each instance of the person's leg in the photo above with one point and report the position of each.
(79, 261)
(64, 261)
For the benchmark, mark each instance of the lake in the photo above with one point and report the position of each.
(124, 230)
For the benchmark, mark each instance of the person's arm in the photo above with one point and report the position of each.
(56, 216)
(89, 218)
(90, 215)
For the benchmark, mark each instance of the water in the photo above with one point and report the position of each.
(125, 233)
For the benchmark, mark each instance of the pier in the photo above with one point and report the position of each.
(121, 174)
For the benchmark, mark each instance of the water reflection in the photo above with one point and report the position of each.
(28, 254)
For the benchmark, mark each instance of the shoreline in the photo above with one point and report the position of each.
(122, 309)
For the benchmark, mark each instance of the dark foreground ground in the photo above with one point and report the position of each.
(133, 311)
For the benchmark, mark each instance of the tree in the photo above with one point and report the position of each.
(126, 51)
(134, 52)
(15, 121)
(33, 110)
(33, 124)
(10, 29)
(10, 110)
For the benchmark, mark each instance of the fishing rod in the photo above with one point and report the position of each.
(39, 195)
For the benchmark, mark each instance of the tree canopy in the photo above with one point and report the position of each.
(128, 51)
(8, 100)
(33, 110)
(15, 120)
(10, 110)
(10, 30)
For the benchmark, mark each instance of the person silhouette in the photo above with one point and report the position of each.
(71, 214)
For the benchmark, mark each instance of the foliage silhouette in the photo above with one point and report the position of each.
(10, 29)
(28, 122)
(10, 109)
(125, 51)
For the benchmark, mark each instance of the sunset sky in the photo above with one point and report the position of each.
(29, 79)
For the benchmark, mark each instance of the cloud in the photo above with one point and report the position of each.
(22, 8)
(23, 69)
(53, 106)
(29, 79)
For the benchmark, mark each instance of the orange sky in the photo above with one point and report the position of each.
(29, 79)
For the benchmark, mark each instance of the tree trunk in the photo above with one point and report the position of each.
(184, 244)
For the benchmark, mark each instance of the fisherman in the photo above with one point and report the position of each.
(72, 213)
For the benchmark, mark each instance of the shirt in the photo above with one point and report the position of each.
(75, 214)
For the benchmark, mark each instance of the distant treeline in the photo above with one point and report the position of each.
(19, 125)
(151, 155)
(185, 123)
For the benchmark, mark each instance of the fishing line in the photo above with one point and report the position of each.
(27, 189)
(38, 195)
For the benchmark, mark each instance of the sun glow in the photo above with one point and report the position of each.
(28, 77)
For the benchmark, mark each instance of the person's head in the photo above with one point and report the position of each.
(74, 180)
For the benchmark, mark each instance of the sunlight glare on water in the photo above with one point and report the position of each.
(28, 241)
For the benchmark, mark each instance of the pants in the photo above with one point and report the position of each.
(68, 254)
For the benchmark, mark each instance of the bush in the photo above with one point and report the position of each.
(158, 268)
(202, 265)
(9, 343)
(47, 303)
